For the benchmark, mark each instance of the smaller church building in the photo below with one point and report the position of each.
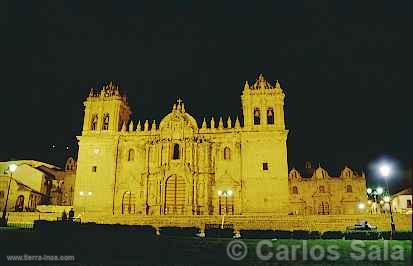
(314, 192)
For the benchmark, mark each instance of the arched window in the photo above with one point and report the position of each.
(295, 190)
(94, 122)
(105, 125)
(349, 188)
(321, 189)
(131, 155)
(257, 116)
(227, 153)
(19, 204)
(270, 116)
(176, 152)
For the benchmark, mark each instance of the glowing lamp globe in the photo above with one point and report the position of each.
(379, 190)
(385, 170)
(13, 168)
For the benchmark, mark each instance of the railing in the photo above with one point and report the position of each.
(20, 225)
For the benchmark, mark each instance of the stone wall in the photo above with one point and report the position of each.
(312, 223)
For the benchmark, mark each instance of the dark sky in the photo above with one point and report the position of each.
(345, 69)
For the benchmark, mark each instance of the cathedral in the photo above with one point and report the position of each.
(178, 167)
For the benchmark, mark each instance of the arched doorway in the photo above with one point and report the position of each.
(323, 208)
(128, 203)
(19, 207)
(174, 195)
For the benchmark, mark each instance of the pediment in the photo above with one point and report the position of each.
(178, 125)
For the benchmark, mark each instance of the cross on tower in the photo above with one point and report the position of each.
(179, 101)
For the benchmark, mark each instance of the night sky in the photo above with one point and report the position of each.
(345, 69)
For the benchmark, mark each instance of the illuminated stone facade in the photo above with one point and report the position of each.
(180, 167)
(321, 194)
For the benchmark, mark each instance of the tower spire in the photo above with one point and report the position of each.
(246, 85)
(212, 123)
(146, 125)
(237, 124)
(153, 127)
(138, 127)
(220, 123)
(204, 125)
(277, 84)
(131, 126)
(124, 127)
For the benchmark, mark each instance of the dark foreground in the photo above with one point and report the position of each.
(130, 248)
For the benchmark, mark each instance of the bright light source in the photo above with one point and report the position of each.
(89, 193)
(13, 168)
(369, 202)
(229, 193)
(361, 206)
(380, 190)
(386, 199)
(81, 193)
(385, 170)
(369, 190)
(382, 202)
(219, 192)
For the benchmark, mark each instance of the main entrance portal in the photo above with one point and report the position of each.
(174, 195)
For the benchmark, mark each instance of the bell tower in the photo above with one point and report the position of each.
(105, 111)
(264, 149)
(263, 105)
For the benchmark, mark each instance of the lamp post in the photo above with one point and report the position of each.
(385, 171)
(12, 169)
(226, 194)
(375, 192)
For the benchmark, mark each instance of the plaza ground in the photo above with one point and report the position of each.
(127, 248)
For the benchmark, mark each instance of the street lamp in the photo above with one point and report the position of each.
(379, 190)
(226, 194)
(375, 192)
(12, 169)
(385, 171)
